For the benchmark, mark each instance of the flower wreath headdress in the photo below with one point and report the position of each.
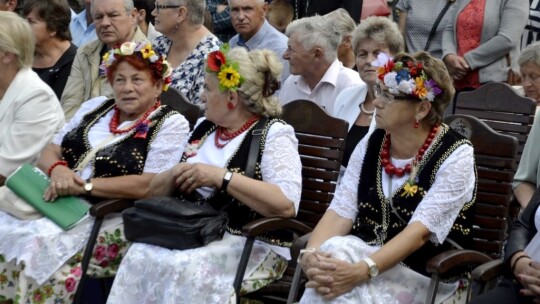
(145, 51)
(227, 71)
(405, 78)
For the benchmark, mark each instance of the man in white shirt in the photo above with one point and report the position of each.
(316, 73)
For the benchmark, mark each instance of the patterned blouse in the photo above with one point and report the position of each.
(188, 77)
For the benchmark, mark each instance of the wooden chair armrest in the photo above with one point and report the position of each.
(451, 259)
(103, 208)
(488, 271)
(299, 244)
(260, 226)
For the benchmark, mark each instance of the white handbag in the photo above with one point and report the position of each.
(16, 206)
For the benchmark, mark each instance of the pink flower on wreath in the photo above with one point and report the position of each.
(112, 251)
(100, 253)
(77, 271)
(70, 284)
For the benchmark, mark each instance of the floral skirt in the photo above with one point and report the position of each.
(399, 285)
(151, 274)
(60, 288)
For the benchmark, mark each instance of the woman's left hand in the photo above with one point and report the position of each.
(188, 177)
(332, 277)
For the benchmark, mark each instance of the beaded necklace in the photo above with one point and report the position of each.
(224, 135)
(115, 120)
(392, 170)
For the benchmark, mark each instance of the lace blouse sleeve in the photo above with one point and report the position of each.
(346, 196)
(280, 163)
(86, 107)
(453, 187)
(168, 145)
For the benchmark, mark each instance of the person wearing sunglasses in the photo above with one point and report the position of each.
(408, 187)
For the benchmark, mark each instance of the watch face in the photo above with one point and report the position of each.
(373, 271)
(88, 187)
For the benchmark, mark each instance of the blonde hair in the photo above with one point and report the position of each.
(255, 66)
(341, 21)
(16, 37)
(381, 30)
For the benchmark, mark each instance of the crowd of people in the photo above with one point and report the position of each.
(80, 98)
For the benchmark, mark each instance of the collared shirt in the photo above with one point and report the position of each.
(82, 33)
(267, 37)
(152, 33)
(335, 79)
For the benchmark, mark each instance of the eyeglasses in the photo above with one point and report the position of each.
(385, 96)
(161, 6)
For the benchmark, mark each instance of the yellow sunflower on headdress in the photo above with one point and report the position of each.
(229, 78)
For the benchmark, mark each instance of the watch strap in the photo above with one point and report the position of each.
(226, 179)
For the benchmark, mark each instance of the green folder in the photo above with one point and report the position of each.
(30, 183)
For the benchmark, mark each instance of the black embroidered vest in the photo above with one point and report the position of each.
(239, 214)
(125, 157)
(377, 223)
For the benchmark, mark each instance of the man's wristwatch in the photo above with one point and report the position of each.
(373, 270)
(88, 186)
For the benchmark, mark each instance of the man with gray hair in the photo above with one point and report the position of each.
(248, 18)
(317, 74)
(115, 22)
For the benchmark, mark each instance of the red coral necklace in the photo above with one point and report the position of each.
(224, 135)
(392, 170)
(115, 120)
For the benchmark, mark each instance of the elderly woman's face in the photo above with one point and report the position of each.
(366, 52)
(134, 90)
(393, 112)
(167, 19)
(39, 27)
(214, 100)
(530, 79)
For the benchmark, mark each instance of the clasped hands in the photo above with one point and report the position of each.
(332, 277)
(188, 177)
(63, 182)
(457, 66)
(530, 279)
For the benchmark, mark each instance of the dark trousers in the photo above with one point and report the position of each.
(505, 293)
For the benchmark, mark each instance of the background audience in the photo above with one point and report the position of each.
(186, 42)
(316, 73)
(221, 19)
(29, 111)
(54, 53)
(82, 27)
(8, 5)
(280, 14)
(343, 23)
(145, 19)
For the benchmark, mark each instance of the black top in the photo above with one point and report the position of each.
(57, 75)
(356, 133)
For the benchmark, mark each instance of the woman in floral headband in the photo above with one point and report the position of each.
(408, 188)
(239, 90)
(111, 148)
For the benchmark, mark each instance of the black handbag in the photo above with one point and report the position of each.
(178, 223)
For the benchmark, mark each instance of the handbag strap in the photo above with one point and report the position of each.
(254, 147)
(436, 24)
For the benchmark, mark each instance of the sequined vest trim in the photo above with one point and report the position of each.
(239, 214)
(376, 223)
(125, 157)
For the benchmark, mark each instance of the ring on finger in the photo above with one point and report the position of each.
(191, 178)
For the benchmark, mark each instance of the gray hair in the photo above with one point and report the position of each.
(381, 30)
(259, 1)
(128, 6)
(531, 54)
(316, 31)
(16, 37)
(254, 66)
(196, 10)
(341, 21)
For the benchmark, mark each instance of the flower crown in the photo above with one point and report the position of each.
(405, 78)
(144, 50)
(227, 72)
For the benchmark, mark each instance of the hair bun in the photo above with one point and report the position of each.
(271, 85)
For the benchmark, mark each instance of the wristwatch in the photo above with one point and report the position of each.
(373, 270)
(225, 182)
(88, 186)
